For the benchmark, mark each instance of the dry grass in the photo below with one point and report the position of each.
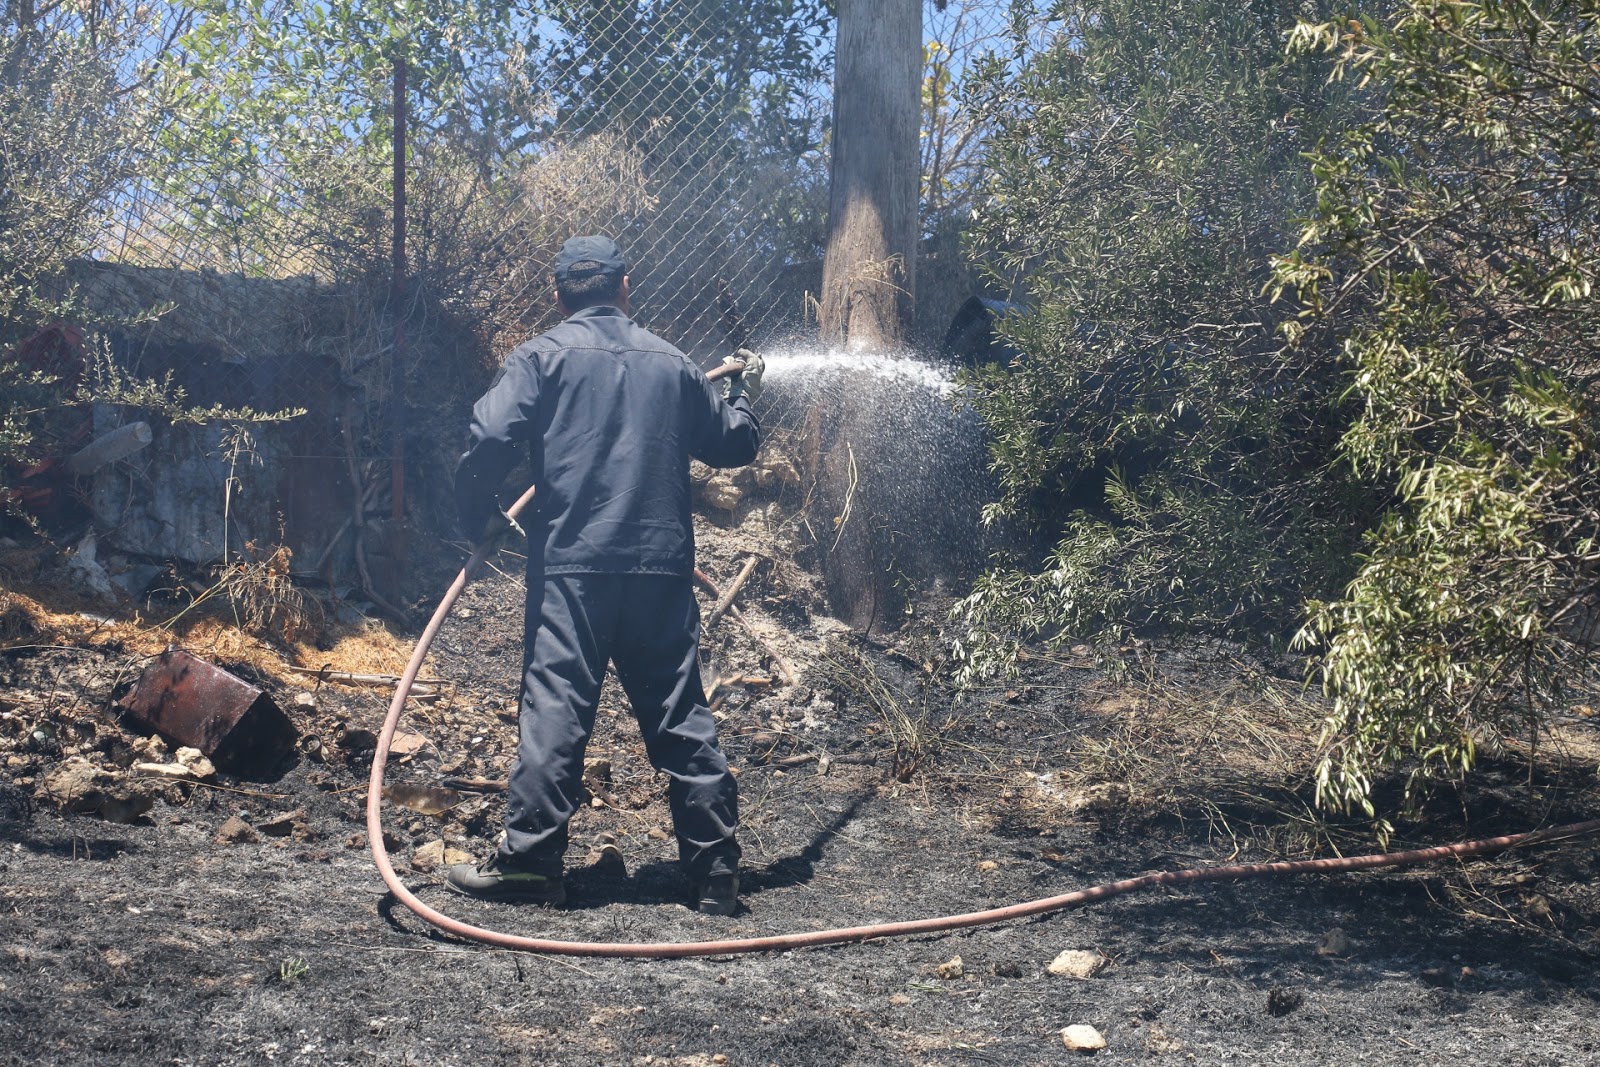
(214, 634)
(909, 724)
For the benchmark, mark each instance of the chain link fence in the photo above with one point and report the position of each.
(249, 253)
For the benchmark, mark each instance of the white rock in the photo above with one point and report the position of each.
(196, 761)
(1080, 1037)
(721, 492)
(88, 570)
(1076, 963)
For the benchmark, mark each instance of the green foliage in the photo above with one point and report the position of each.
(283, 113)
(287, 107)
(1454, 249)
(67, 142)
(659, 70)
(1144, 167)
(1417, 466)
(104, 382)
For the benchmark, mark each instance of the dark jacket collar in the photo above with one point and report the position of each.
(599, 311)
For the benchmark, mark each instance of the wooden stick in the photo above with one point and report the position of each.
(476, 785)
(421, 687)
(785, 671)
(726, 600)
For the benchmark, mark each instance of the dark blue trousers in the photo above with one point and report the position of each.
(648, 625)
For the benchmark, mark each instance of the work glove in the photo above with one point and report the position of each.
(747, 382)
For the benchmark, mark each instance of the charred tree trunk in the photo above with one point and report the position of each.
(866, 290)
(870, 262)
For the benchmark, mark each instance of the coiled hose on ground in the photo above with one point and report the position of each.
(782, 942)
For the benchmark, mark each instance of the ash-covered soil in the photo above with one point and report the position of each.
(242, 922)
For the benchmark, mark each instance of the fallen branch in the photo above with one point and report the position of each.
(785, 671)
(751, 680)
(725, 601)
(475, 785)
(422, 687)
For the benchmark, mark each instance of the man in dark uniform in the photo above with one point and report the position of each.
(610, 414)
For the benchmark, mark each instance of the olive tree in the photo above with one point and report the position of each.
(1453, 253)
(1145, 165)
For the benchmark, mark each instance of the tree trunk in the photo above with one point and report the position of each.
(868, 270)
(866, 293)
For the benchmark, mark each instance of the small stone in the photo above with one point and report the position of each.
(79, 786)
(305, 702)
(609, 856)
(1076, 963)
(282, 824)
(428, 857)
(988, 866)
(950, 969)
(720, 492)
(235, 831)
(188, 764)
(152, 749)
(1334, 943)
(197, 763)
(596, 772)
(1081, 1037)
(776, 469)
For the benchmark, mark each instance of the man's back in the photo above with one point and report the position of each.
(612, 414)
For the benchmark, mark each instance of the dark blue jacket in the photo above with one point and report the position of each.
(610, 414)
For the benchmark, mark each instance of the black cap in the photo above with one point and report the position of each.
(601, 251)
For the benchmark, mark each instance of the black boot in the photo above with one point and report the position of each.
(718, 894)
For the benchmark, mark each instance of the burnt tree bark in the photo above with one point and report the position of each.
(870, 263)
(867, 275)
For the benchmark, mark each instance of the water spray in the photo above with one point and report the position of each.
(808, 939)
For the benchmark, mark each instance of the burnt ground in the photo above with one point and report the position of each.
(869, 793)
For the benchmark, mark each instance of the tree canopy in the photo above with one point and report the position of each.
(1313, 292)
(1144, 169)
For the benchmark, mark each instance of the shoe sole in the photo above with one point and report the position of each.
(511, 896)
